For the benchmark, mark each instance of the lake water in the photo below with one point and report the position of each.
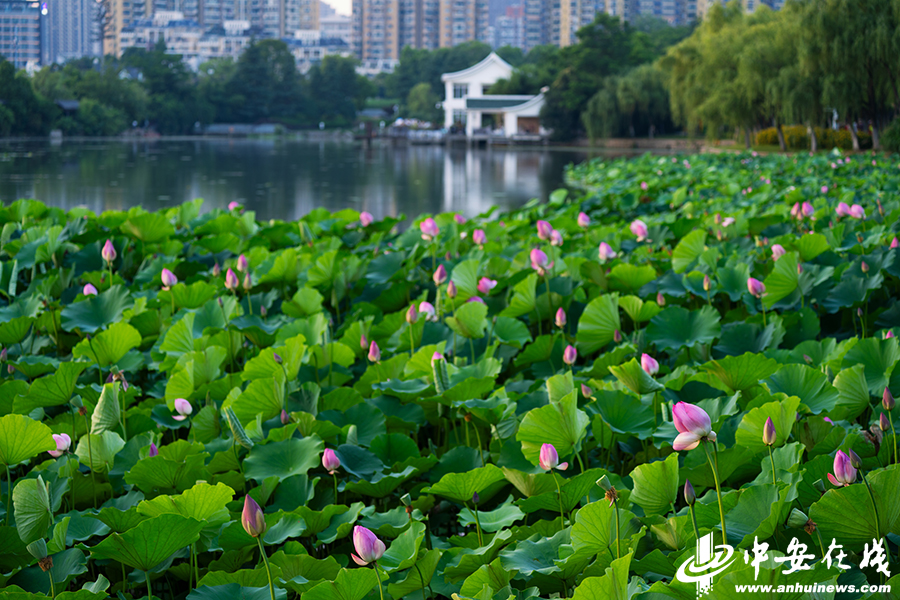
(279, 179)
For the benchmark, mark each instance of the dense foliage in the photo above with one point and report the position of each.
(342, 373)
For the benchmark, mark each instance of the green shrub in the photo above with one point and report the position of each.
(890, 138)
(797, 138)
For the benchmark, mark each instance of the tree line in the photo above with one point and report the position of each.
(155, 89)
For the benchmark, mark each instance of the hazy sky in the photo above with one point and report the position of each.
(342, 6)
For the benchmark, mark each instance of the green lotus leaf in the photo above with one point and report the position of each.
(22, 438)
(677, 327)
(150, 542)
(96, 312)
(598, 324)
(656, 485)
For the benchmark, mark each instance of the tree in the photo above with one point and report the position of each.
(339, 91)
(31, 113)
(421, 103)
(266, 83)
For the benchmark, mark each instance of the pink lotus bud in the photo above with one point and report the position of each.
(276, 357)
(183, 408)
(374, 353)
(660, 299)
(368, 547)
(560, 317)
(427, 310)
(485, 285)
(769, 434)
(799, 269)
(586, 391)
(366, 218)
(857, 212)
(844, 472)
(649, 364)
(556, 238)
(795, 210)
(706, 283)
(363, 342)
(895, 243)
(639, 228)
(644, 186)
(234, 205)
(437, 356)
(217, 270)
(460, 220)
(242, 264)
(883, 422)
(606, 252)
(479, 237)
(440, 275)
(231, 280)
(855, 460)
(285, 417)
(778, 251)
(693, 425)
(451, 290)
(248, 285)
(583, 220)
(824, 189)
(63, 441)
(807, 359)
(570, 355)
(330, 461)
(617, 336)
(549, 459)
(4, 354)
(168, 278)
(411, 315)
(89, 290)
(756, 287)
(689, 496)
(889, 334)
(475, 299)
(887, 400)
(109, 252)
(843, 209)
(544, 229)
(539, 261)
(429, 229)
(807, 209)
(153, 451)
(864, 267)
(717, 219)
(252, 518)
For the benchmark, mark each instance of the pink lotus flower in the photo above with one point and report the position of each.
(411, 315)
(451, 290)
(89, 290)
(583, 220)
(639, 228)
(217, 270)
(895, 243)
(153, 451)
(479, 237)
(889, 334)
(460, 220)
(807, 209)
(475, 299)
(556, 238)
(549, 459)
(649, 364)
(843, 209)
(693, 426)
(374, 353)
(606, 252)
(168, 279)
(857, 212)
(368, 547)
(330, 461)
(437, 356)
(539, 261)
(285, 417)
(795, 210)
(485, 285)
(242, 264)
(366, 218)
(109, 252)
(252, 518)
(728, 221)
(363, 342)
(231, 280)
(427, 309)
(440, 275)
(560, 317)
(844, 471)
(544, 229)
(63, 441)
(617, 336)
(644, 186)
(570, 355)
(756, 287)
(778, 251)
(824, 189)
(586, 391)
(183, 408)
(660, 299)
(769, 433)
(233, 205)
(429, 229)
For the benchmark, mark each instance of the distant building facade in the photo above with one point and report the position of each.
(22, 32)
(71, 30)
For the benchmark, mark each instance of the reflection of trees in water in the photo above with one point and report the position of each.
(277, 179)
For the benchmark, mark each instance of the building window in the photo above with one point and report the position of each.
(459, 117)
(460, 90)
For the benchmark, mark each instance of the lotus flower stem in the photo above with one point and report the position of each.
(774, 481)
(763, 305)
(422, 579)
(262, 551)
(618, 547)
(412, 341)
(477, 525)
(196, 563)
(377, 577)
(90, 458)
(874, 506)
(694, 521)
(478, 440)
(715, 473)
(149, 589)
(9, 487)
(472, 349)
(334, 476)
(562, 516)
(894, 435)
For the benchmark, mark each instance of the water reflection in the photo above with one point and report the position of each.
(279, 179)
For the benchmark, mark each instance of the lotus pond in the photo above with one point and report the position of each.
(554, 402)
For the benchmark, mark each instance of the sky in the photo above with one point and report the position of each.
(343, 7)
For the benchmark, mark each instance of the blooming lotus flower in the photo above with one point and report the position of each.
(769, 433)
(549, 459)
(689, 496)
(485, 285)
(889, 334)
(429, 229)
(560, 317)
(183, 408)
(475, 299)
(374, 353)
(649, 364)
(693, 426)
(479, 237)
(89, 290)
(451, 290)
(857, 212)
(460, 220)
(544, 229)
(168, 279)
(366, 218)
(63, 441)
(570, 354)
(233, 205)
(639, 228)
(843, 209)
(583, 220)
(330, 461)
(242, 264)
(252, 518)
(556, 238)
(756, 287)
(844, 472)
(728, 221)
(440, 275)
(153, 451)
(539, 261)
(437, 356)
(427, 309)
(368, 547)
(807, 209)
(231, 280)
(109, 251)
(606, 252)
(411, 315)
(778, 251)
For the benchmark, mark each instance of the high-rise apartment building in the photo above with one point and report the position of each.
(463, 21)
(71, 30)
(749, 5)
(22, 31)
(510, 28)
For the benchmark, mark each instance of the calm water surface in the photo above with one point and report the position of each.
(279, 179)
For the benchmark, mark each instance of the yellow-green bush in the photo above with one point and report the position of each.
(796, 138)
